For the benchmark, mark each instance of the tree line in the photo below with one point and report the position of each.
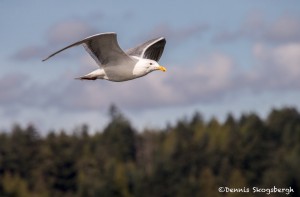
(193, 157)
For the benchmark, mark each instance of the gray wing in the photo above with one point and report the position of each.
(151, 49)
(103, 48)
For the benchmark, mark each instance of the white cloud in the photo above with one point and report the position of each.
(69, 31)
(58, 35)
(12, 86)
(278, 67)
(29, 52)
(176, 35)
(288, 58)
(285, 29)
(255, 27)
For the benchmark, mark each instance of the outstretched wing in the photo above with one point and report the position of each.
(103, 48)
(151, 49)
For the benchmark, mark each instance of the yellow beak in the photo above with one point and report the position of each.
(162, 68)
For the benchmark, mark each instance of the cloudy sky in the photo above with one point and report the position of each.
(233, 56)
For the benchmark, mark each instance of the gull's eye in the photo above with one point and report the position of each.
(150, 63)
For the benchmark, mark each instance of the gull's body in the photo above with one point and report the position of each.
(114, 63)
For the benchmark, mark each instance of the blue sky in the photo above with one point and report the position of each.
(233, 56)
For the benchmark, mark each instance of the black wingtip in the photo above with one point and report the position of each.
(45, 59)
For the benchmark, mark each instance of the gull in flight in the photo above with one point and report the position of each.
(116, 64)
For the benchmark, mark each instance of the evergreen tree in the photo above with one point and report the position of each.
(119, 137)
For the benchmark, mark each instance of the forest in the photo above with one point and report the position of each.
(191, 157)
